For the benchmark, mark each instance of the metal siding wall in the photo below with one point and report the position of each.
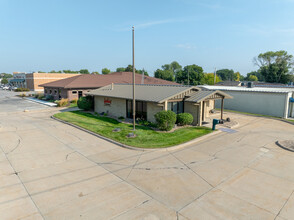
(256, 102)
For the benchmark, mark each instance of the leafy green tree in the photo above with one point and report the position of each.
(129, 68)
(96, 73)
(142, 71)
(164, 74)
(120, 69)
(84, 71)
(4, 81)
(6, 75)
(209, 79)
(105, 71)
(275, 67)
(255, 73)
(252, 78)
(226, 74)
(191, 75)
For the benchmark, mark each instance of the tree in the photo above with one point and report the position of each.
(129, 68)
(191, 75)
(142, 71)
(209, 79)
(255, 73)
(4, 81)
(252, 78)
(97, 73)
(226, 74)
(84, 71)
(275, 67)
(120, 69)
(105, 71)
(6, 75)
(164, 74)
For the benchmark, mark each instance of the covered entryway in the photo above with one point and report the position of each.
(205, 101)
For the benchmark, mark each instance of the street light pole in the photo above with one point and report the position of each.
(134, 100)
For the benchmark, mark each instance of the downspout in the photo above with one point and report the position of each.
(287, 104)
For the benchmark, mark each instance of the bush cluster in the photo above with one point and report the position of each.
(85, 103)
(184, 119)
(22, 90)
(75, 101)
(165, 120)
(62, 102)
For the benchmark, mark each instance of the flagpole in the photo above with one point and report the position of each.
(134, 100)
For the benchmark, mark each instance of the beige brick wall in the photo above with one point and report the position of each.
(116, 109)
(152, 109)
(33, 80)
(193, 110)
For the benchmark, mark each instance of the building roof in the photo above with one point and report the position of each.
(156, 93)
(228, 83)
(143, 92)
(96, 81)
(246, 89)
(204, 94)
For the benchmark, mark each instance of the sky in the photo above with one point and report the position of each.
(45, 35)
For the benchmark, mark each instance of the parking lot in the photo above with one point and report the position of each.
(49, 170)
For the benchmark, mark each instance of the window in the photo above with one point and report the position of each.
(141, 109)
(74, 92)
(55, 91)
(45, 90)
(50, 91)
(176, 107)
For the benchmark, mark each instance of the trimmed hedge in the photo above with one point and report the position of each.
(185, 119)
(85, 103)
(165, 120)
(22, 90)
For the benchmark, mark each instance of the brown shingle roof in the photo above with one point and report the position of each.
(96, 81)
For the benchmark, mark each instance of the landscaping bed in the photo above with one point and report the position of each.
(145, 136)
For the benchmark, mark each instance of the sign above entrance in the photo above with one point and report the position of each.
(107, 101)
(291, 99)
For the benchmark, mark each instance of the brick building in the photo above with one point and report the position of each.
(34, 80)
(77, 86)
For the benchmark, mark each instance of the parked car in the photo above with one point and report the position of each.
(5, 88)
(12, 88)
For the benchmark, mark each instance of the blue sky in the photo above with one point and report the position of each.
(93, 34)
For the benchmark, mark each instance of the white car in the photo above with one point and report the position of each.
(5, 88)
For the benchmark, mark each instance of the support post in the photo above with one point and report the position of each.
(165, 106)
(200, 114)
(222, 109)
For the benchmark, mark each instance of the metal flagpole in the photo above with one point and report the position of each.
(214, 76)
(134, 101)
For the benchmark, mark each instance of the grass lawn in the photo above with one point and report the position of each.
(146, 137)
(71, 105)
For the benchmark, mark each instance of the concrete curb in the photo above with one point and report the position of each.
(50, 104)
(283, 147)
(136, 148)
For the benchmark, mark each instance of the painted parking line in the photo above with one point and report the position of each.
(228, 130)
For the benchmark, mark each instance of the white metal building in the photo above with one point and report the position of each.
(259, 100)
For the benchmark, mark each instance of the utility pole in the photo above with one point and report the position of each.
(134, 100)
(188, 77)
(214, 76)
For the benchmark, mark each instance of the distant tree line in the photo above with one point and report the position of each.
(4, 77)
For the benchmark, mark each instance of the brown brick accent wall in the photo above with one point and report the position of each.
(69, 94)
(35, 79)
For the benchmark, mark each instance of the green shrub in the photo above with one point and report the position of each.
(62, 102)
(105, 114)
(122, 118)
(165, 120)
(185, 119)
(22, 90)
(23, 95)
(49, 97)
(75, 101)
(40, 97)
(85, 103)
